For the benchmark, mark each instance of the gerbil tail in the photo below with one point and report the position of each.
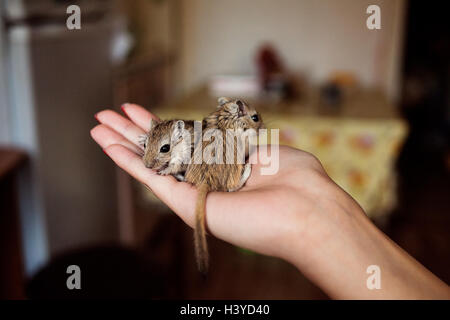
(201, 247)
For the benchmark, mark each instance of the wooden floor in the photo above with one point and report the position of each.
(234, 273)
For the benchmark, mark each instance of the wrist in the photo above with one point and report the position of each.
(344, 243)
(326, 219)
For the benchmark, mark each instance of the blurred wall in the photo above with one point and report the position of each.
(317, 37)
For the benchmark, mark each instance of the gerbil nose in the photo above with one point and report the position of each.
(149, 164)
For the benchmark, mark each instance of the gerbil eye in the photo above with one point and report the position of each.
(165, 148)
(255, 118)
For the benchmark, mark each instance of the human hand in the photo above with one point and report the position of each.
(298, 214)
(266, 216)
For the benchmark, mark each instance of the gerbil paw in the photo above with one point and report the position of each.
(179, 177)
(164, 172)
(246, 174)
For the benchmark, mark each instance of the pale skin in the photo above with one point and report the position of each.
(299, 215)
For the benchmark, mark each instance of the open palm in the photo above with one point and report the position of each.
(266, 215)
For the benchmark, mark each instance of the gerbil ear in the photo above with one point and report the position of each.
(241, 106)
(177, 133)
(152, 124)
(179, 125)
(222, 101)
(233, 108)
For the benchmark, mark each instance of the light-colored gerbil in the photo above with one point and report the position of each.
(230, 115)
(168, 147)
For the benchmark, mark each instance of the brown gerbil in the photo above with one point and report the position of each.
(231, 115)
(168, 147)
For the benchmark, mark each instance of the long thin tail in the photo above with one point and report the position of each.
(201, 246)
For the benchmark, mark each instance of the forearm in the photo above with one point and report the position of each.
(339, 254)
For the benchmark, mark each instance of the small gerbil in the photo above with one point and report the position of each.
(231, 114)
(168, 147)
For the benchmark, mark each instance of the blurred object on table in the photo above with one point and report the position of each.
(276, 82)
(234, 86)
(340, 86)
(331, 95)
(345, 80)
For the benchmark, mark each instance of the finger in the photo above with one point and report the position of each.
(121, 125)
(179, 196)
(140, 116)
(105, 137)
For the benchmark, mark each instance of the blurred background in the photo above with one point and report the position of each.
(372, 104)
